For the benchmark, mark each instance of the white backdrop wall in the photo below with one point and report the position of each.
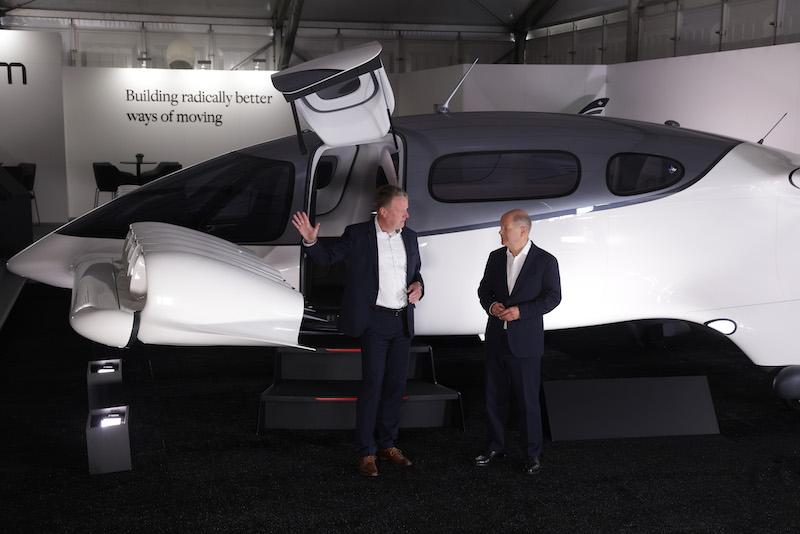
(551, 88)
(554, 88)
(31, 115)
(738, 93)
(417, 92)
(168, 115)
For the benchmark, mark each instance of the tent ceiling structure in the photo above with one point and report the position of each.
(486, 13)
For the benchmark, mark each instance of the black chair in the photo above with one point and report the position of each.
(162, 169)
(108, 178)
(25, 174)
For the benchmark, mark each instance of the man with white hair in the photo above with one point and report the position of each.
(521, 284)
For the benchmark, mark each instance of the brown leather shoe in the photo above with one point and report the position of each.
(367, 467)
(394, 455)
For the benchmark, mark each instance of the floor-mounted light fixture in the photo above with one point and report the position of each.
(104, 383)
(108, 444)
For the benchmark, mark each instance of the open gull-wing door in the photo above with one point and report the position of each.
(176, 286)
(344, 97)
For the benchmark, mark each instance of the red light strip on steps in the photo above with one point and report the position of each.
(343, 399)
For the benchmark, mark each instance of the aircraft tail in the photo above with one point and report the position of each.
(595, 107)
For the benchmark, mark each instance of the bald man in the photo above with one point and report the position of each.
(520, 284)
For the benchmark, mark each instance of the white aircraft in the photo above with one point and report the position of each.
(647, 222)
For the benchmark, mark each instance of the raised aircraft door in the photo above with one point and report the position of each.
(344, 97)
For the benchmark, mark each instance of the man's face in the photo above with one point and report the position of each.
(512, 235)
(393, 217)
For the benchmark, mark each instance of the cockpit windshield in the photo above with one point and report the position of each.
(244, 197)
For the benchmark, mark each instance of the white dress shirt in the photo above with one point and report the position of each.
(514, 265)
(391, 269)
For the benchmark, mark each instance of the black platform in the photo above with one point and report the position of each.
(318, 390)
(630, 407)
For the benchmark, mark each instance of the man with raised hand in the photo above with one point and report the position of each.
(382, 285)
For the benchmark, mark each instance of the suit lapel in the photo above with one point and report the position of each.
(407, 244)
(526, 266)
(502, 271)
(372, 247)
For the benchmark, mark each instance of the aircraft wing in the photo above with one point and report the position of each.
(176, 286)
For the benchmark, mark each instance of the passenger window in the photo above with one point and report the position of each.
(326, 168)
(633, 174)
(238, 197)
(380, 178)
(512, 175)
(330, 180)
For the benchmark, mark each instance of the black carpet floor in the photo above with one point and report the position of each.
(198, 465)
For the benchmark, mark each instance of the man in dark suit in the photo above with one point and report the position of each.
(521, 284)
(382, 285)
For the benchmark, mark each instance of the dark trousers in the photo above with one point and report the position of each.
(507, 374)
(384, 370)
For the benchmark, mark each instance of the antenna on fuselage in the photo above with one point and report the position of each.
(444, 108)
(761, 141)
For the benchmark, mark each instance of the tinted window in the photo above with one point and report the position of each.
(326, 168)
(340, 89)
(491, 176)
(380, 178)
(238, 197)
(632, 174)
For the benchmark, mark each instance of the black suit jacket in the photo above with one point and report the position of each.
(358, 248)
(537, 291)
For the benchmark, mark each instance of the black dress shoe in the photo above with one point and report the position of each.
(532, 466)
(488, 457)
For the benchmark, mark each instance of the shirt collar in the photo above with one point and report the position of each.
(522, 253)
(380, 231)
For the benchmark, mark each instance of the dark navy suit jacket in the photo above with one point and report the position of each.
(358, 248)
(537, 291)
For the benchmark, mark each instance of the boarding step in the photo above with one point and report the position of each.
(319, 390)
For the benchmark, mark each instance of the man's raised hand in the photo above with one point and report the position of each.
(301, 221)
